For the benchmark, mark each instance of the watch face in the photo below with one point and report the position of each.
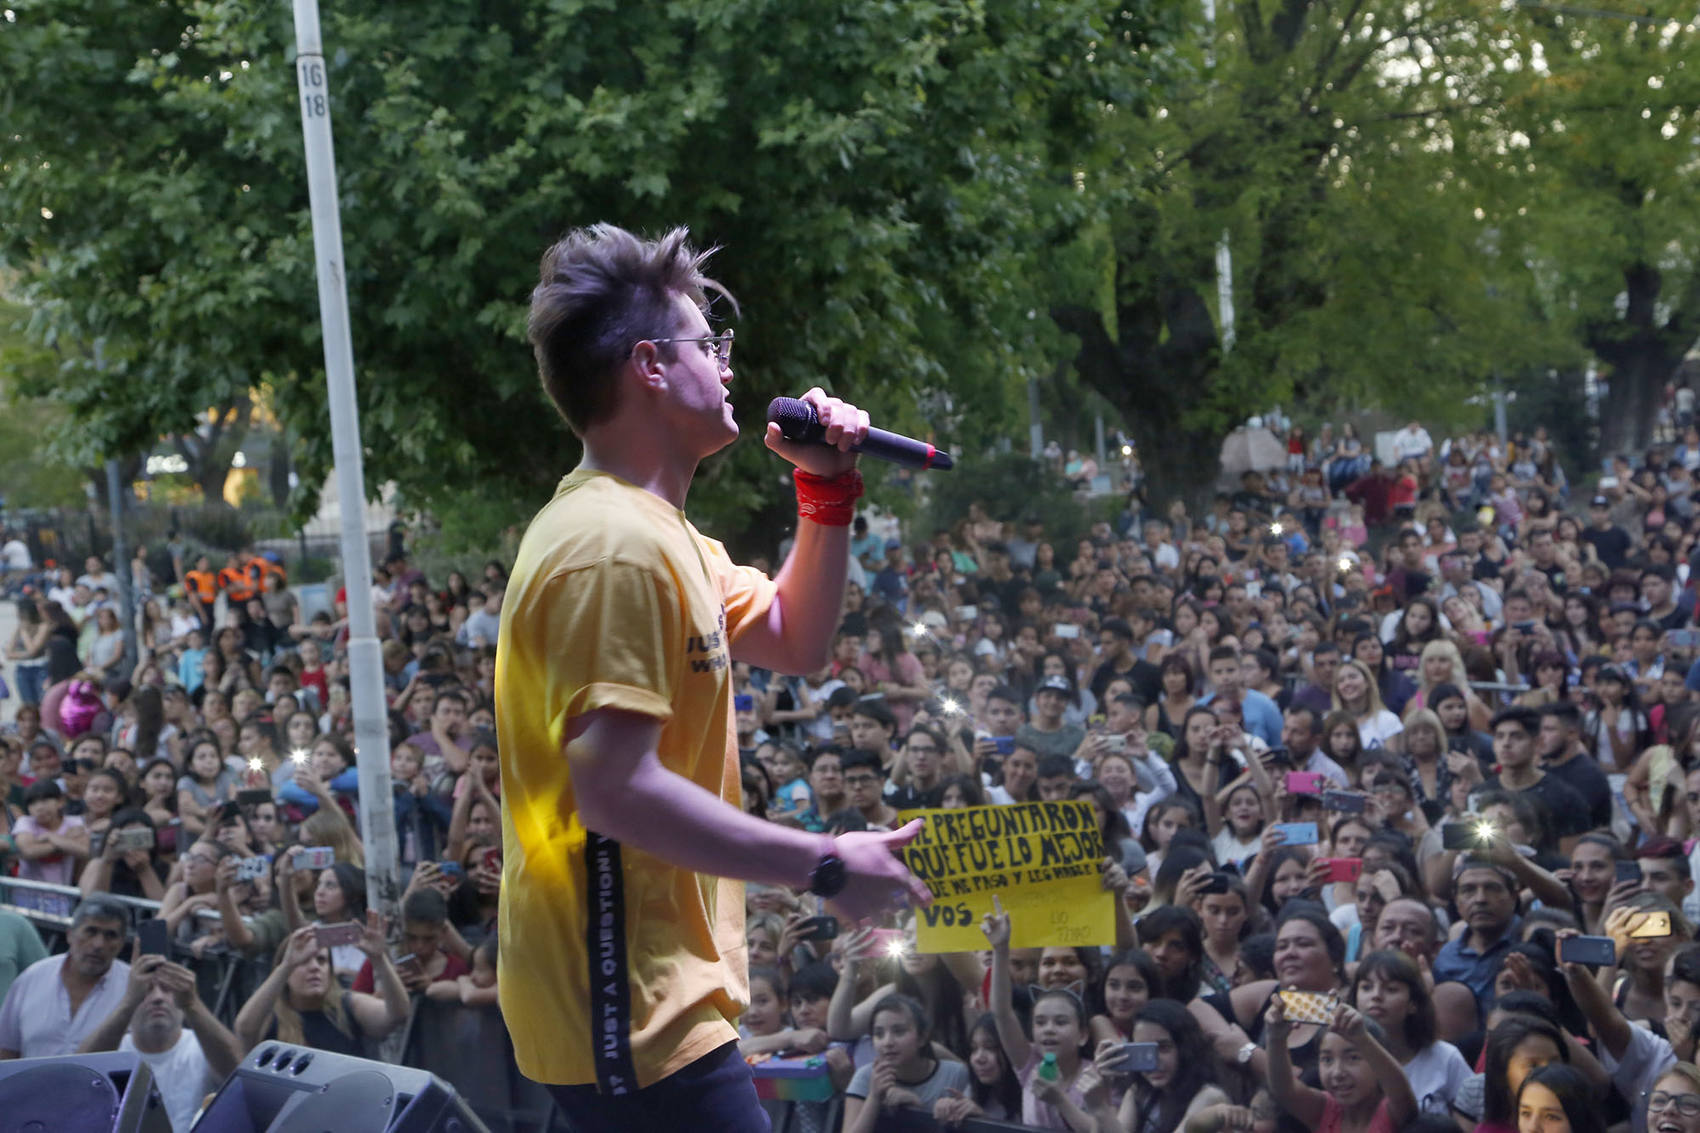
(828, 877)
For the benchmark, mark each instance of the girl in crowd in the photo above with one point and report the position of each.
(904, 1073)
(205, 785)
(1161, 822)
(1182, 1084)
(1418, 630)
(1180, 694)
(1197, 760)
(1639, 991)
(1618, 730)
(762, 1029)
(1246, 810)
(1061, 1097)
(1225, 908)
(1516, 1047)
(302, 1002)
(1364, 1091)
(1393, 688)
(1355, 693)
(339, 897)
(1114, 834)
(993, 1090)
(1173, 936)
(103, 795)
(1557, 1099)
(52, 845)
(1129, 978)
(1441, 666)
(1280, 873)
(1592, 876)
(1343, 743)
(325, 779)
(159, 791)
(1390, 989)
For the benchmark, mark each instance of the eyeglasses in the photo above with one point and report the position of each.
(719, 345)
(924, 748)
(1686, 1104)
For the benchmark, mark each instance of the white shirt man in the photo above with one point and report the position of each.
(1412, 441)
(55, 1003)
(187, 1062)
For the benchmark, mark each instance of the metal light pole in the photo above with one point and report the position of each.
(365, 660)
(1224, 250)
(121, 567)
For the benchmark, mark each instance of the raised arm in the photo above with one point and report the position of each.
(995, 925)
(1292, 1095)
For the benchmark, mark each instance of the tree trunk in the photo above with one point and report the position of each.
(1643, 354)
(1161, 368)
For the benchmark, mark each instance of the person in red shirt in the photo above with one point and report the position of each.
(424, 927)
(1402, 495)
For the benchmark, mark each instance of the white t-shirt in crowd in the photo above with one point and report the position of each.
(1436, 1073)
(182, 1075)
(1378, 729)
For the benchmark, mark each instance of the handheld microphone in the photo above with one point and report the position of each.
(798, 421)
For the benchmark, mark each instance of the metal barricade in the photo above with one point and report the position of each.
(224, 977)
(469, 1048)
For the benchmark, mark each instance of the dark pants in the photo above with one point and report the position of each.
(714, 1094)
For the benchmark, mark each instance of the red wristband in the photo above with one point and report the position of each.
(830, 502)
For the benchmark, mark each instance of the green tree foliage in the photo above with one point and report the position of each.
(882, 176)
(1320, 140)
(1600, 115)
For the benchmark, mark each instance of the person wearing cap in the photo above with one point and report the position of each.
(1610, 542)
(1048, 733)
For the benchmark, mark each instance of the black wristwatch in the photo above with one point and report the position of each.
(827, 878)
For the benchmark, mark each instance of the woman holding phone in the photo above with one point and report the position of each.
(302, 1002)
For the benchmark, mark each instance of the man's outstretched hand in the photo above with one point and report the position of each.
(876, 880)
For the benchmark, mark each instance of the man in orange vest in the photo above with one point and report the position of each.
(236, 583)
(202, 586)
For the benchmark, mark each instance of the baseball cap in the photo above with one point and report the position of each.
(1599, 501)
(1054, 683)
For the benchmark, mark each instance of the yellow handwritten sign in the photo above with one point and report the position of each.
(1041, 859)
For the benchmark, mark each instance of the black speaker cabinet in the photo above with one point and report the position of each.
(81, 1093)
(281, 1088)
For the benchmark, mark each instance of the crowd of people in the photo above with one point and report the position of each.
(1393, 768)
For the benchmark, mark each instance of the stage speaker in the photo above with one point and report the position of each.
(283, 1088)
(81, 1093)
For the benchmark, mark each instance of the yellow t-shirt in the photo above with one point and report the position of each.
(617, 968)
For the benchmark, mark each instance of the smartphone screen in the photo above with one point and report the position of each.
(1598, 951)
(1344, 869)
(154, 936)
(1304, 782)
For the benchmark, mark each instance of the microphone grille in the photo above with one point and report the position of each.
(795, 418)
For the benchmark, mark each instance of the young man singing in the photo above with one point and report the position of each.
(621, 948)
